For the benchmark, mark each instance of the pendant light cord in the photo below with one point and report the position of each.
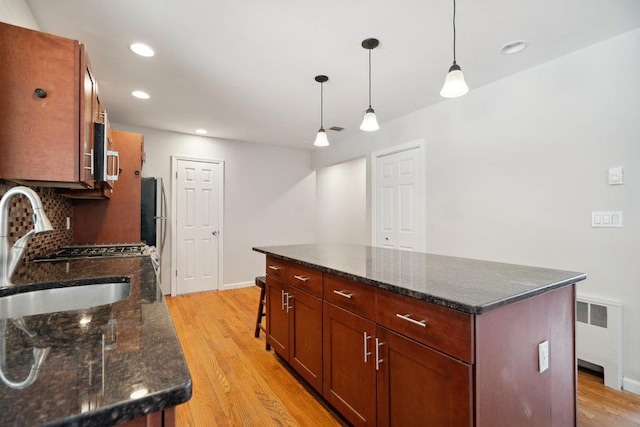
(370, 77)
(454, 31)
(321, 103)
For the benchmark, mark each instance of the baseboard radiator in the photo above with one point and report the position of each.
(599, 337)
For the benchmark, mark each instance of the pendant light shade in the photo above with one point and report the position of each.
(454, 84)
(321, 137)
(370, 122)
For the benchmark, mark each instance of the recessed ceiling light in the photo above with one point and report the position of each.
(142, 49)
(201, 131)
(140, 94)
(514, 46)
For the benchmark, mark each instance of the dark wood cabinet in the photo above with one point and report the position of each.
(392, 360)
(117, 219)
(349, 365)
(294, 328)
(46, 109)
(419, 386)
(278, 316)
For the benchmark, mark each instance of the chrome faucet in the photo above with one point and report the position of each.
(11, 256)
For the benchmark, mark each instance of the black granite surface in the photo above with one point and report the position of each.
(92, 375)
(467, 285)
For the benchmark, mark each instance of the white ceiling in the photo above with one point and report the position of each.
(244, 69)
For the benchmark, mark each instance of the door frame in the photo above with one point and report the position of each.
(421, 145)
(174, 217)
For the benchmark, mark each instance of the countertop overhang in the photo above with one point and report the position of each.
(463, 284)
(91, 376)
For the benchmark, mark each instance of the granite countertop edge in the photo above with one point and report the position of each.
(455, 305)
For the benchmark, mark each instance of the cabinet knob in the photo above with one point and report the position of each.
(40, 93)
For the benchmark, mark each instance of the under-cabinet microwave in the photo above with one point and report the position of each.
(106, 162)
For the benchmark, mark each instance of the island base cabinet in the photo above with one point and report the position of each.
(294, 329)
(349, 365)
(166, 418)
(418, 386)
(278, 317)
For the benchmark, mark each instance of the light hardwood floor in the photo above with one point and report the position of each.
(236, 382)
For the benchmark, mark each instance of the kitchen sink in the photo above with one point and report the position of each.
(69, 298)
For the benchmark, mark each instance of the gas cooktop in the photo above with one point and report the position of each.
(99, 250)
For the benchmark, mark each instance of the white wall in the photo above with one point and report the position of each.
(515, 168)
(269, 195)
(17, 12)
(341, 200)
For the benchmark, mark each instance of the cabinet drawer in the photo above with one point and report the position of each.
(305, 278)
(277, 268)
(441, 328)
(355, 297)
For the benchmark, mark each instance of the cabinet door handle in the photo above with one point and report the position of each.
(289, 306)
(343, 294)
(302, 278)
(282, 299)
(378, 360)
(90, 168)
(408, 318)
(367, 353)
(274, 267)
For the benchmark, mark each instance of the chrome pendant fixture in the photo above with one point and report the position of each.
(454, 84)
(321, 137)
(369, 122)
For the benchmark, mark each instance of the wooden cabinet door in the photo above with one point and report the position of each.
(349, 365)
(305, 353)
(42, 135)
(277, 317)
(419, 386)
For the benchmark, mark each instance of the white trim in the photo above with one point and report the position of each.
(420, 144)
(174, 216)
(237, 285)
(630, 385)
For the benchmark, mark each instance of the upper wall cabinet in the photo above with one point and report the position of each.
(47, 110)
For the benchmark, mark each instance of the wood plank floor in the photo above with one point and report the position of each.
(236, 382)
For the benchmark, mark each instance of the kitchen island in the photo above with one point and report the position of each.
(113, 363)
(391, 337)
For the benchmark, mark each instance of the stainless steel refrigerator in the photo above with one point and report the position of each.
(153, 220)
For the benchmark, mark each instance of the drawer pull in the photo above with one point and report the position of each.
(302, 278)
(343, 294)
(378, 360)
(275, 267)
(367, 353)
(408, 318)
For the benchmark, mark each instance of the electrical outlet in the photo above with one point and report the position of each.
(68, 223)
(543, 356)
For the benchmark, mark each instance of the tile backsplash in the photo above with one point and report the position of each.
(56, 207)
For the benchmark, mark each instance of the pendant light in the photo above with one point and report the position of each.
(369, 122)
(321, 137)
(454, 85)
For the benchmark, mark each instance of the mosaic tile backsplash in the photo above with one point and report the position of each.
(56, 207)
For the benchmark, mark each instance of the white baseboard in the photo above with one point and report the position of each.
(630, 385)
(237, 285)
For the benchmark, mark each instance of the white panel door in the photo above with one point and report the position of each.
(197, 226)
(399, 200)
(386, 201)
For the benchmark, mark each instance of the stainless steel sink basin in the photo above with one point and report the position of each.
(62, 299)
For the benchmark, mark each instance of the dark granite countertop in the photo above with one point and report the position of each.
(467, 285)
(92, 375)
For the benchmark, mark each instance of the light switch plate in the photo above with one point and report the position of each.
(609, 219)
(616, 176)
(543, 356)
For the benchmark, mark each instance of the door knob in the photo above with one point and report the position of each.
(215, 233)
